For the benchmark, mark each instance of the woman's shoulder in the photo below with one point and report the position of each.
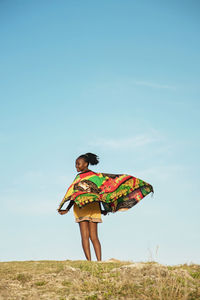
(87, 173)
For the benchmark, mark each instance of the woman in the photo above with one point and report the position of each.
(116, 192)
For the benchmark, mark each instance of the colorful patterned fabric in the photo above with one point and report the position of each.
(115, 191)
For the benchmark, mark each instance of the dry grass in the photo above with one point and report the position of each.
(94, 281)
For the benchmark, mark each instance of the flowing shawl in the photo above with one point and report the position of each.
(115, 191)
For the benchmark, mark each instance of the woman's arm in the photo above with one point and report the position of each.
(64, 211)
(71, 203)
(103, 212)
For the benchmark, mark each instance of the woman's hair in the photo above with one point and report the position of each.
(90, 158)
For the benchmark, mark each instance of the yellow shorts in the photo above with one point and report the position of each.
(90, 212)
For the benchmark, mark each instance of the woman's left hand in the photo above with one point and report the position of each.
(62, 212)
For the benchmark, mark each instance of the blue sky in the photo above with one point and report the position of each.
(117, 78)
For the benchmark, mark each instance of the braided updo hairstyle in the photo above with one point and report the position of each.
(90, 158)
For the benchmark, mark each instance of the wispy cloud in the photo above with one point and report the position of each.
(41, 178)
(37, 205)
(35, 193)
(163, 173)
(121, 143)
(153, 85)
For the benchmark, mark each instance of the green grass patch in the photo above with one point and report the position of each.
(40, 283)
(23, 278)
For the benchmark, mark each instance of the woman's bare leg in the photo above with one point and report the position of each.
(95, 240)
(84, 229)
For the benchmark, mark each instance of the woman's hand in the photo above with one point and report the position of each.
(62, 211)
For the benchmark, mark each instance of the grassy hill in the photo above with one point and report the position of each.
(98, 280)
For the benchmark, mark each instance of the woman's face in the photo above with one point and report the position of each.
(81, 165)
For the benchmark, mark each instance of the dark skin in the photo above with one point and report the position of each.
(88, 229)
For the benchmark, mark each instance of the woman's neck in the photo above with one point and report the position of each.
(86, 170)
